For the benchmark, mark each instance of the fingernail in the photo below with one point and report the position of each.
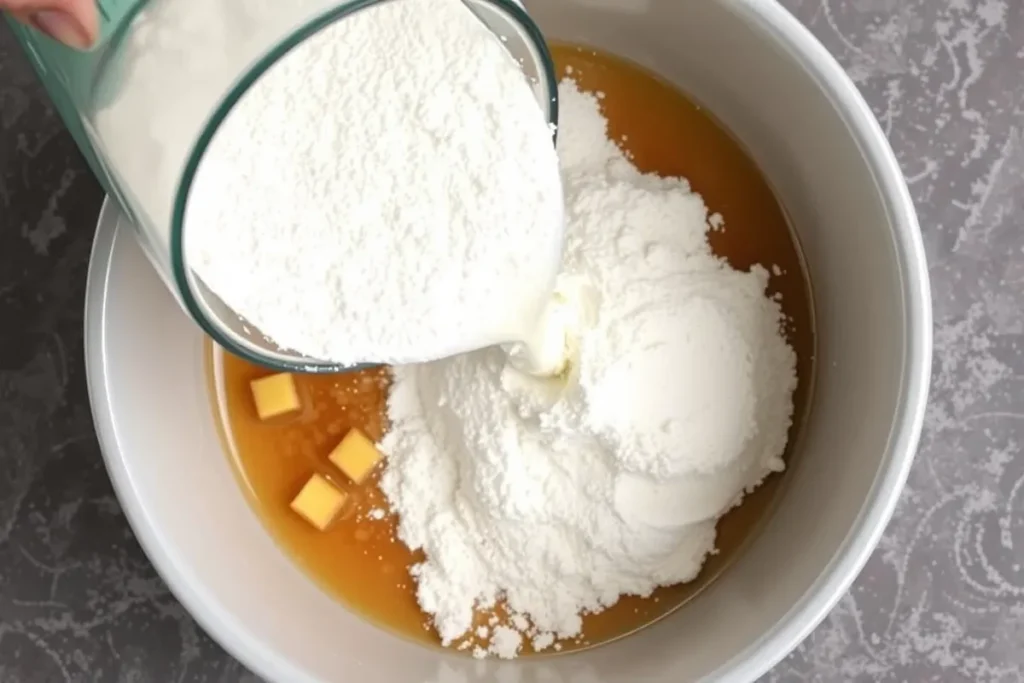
(62, 27)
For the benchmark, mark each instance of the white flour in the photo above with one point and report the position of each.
(176, 64)
(378, 194)
(560, 495)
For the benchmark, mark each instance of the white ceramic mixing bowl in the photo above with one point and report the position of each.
(779, 91)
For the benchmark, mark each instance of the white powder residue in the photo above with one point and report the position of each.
(543, 641)
(505, 642)
(559, 495)
(519, 622)
(379, 196)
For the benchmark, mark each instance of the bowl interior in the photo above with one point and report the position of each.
(778, 91)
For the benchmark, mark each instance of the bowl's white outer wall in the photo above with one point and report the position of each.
(787, 99)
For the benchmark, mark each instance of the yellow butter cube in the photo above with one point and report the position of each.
(356, 456)
(319, 502)
(275, 395)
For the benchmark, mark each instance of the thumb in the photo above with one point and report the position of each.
(72, 22)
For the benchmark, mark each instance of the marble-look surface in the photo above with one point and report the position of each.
(941, 600)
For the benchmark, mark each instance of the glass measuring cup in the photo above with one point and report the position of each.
(144, 104)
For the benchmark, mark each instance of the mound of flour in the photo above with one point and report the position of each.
(557, 496)
(377, 196)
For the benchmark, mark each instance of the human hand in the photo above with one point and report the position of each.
(72, 22)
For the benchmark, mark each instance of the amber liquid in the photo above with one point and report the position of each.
(359, 560)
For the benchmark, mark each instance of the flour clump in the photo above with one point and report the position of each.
(554, 496)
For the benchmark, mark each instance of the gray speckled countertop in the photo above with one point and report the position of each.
(941, 600)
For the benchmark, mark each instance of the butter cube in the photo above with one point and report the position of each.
(319, 502)
(356, 456)
(275, 395)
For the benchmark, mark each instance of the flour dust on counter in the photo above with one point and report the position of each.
(502, 514)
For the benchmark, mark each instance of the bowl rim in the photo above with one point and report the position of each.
(878, 507)
(876, 511)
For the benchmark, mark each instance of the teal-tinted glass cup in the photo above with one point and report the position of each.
(144, 129)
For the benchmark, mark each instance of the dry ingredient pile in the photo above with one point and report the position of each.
(556, 496)
(388, 191)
